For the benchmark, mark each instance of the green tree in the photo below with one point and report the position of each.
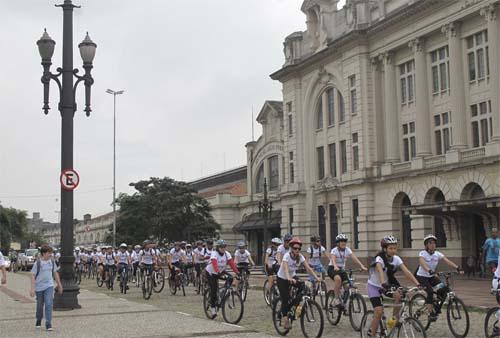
(163, 209)
(13, 226)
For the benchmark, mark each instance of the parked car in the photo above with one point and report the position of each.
(27, 259)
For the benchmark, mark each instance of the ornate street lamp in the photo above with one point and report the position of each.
(67, 106)
(265, 209)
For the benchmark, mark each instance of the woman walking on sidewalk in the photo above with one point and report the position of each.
(43, 273)
(2, 268)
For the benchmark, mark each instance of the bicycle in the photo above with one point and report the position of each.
(304, 307)
(124, 279)
(110, 280)
(202, 283)
(406, 327)
(319, 289)
(456, 312)
(177, 282)
(158, 280)
(99, 279)
(492, 319)
(271, 293)
(351, 304)
(243, 285)
(78, 273)
(146, 282)
(228, 300)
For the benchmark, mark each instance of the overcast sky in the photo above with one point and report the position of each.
(191, 71)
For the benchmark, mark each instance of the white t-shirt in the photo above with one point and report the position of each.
(292, 265)
(207, 253)
(177, 255)
(2, 260)
(189, 256)
(109, 259)
(271, 254)
(315, 254)
(146, 256)
(198, 255)
(100, 257)
(221, 261)
(340, 256)
(432, 262)
(373, 279)
(135, 256)
(242, 257)
(78, 256)
(282, 250)
(123, 257)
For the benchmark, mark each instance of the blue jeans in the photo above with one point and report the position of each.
(317, 268)
(45, 297)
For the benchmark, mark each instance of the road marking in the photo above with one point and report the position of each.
(232, 325)
(183, 313)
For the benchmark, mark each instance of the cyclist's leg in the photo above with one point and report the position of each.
(214, 288)
(378, 308)
(426, 283)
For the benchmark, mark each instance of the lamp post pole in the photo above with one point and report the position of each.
(114, 93)
(67, 107)
(265, 209)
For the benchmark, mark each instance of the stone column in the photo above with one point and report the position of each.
(490, 14)
(391, 110)
(422, 123)
(457, 86)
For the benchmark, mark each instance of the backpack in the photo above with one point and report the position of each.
(271, 253)
(312, 252)
(38, 266)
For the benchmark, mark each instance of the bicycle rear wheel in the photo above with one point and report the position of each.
(411, 328)
(232, 307)
(159, 281)
(278, 325)
(492, 323)
(99, 281)
(418, 310)
(357, 309)
(321, 293)
(243, 288)
(333, 313)
(172, 286)
(458, 318)
(266, 292)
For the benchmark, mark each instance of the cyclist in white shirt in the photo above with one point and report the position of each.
(287, 276)
(176, 259)
(2, 268)
(122, 258)
(338, 259)
(271, 262)
(199, 259)
(109, 265)
(283, 248)
(135, 258)
(147, 257)
(428, 261)
(243, 258)
(189, 258)
(381, 279)
(219, 261)
(315, 252)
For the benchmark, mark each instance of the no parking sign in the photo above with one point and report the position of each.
(69, 179)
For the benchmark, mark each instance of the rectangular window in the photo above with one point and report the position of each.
(290, 218)
(289, 107)
(290, 125)
(332, 152)
(440, 65)
(274, 175)
(481, 123)
(341, 108)
(321, 162)
(355, 152)
(407, 77)
(319, 116)
(442, 129)
(478, 56)
(334, 227)
(343, 157)
(409, 142)
(291, 169)
(355, 223)
(330, 94)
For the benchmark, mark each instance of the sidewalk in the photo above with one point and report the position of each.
(474, 292)
(104, 316)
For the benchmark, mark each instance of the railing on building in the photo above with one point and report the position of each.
(473, 153)
(399, 167)
(435, 161)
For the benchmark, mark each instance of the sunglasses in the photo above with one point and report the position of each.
(296, 248)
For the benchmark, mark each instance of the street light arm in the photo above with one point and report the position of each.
(88, 81)
(46, 77)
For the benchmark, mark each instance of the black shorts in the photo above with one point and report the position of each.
(273, 270)
(342, 273)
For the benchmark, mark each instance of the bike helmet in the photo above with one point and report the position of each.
(287, 238)
(123, 245)
(276, 240)
(137, 247)
(188, 245)
(209, 242)
(295, 240)
(314, 239)
(429, 237)
(146, 242)
(341, 238)
(77, 248)
(388, 240)
(241, 244)
(220, 243)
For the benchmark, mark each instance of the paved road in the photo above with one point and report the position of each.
(110, 314)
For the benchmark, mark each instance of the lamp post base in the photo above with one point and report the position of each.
(68, 300)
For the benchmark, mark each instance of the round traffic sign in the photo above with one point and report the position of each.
(69, 179)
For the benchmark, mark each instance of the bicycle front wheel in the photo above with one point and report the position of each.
(366, 322)
(278, 325)
(458, 318)
(418, 310)
(243, 288)
(321, 292)
(172, 286)
(159, 282)
(232, 307)
(492, 323)
(206, 304)
(357, 309)
(312, 322)
(411, 328)
(333, 313)
(266, 291)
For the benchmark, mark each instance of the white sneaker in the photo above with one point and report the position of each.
(213, 311)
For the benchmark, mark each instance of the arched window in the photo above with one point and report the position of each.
(259, 181)
(98, 237)
(401, 201)
(274, 174)
(319, 114)
(330, 102)
(436, 196)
